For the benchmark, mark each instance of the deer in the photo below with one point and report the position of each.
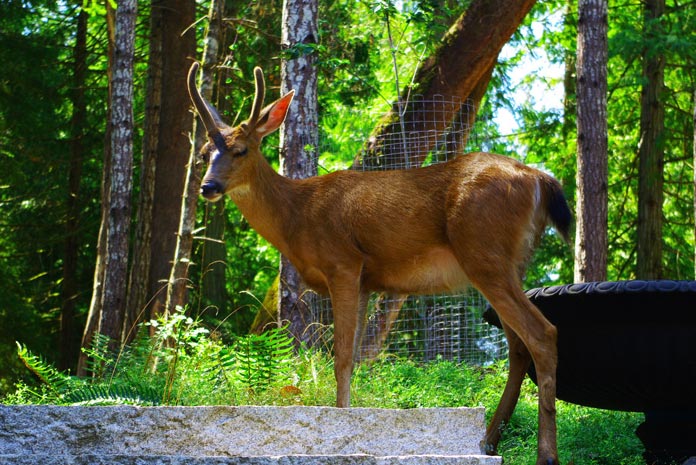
(474, 220)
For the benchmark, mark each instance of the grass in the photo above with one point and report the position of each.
(200, 370)
(586, 436)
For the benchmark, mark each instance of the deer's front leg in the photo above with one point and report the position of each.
(345, 300)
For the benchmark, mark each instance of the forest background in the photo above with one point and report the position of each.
(54, 87)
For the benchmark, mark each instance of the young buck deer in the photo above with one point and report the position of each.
(473, 220)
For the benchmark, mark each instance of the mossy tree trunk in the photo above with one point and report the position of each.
(461, 68)
(651, 152)
(299, 138)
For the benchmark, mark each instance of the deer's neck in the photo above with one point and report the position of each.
(267, 204)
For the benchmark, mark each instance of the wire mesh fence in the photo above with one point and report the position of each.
(424, 328)
(430, 327)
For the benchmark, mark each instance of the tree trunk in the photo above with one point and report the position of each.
(121, 122)
(694, 165)
(95, 306)
(461, 68)
(173, 149)
(140, 269)
(591, 227)
(69, 345)
(214, 257)
(299, 138)
(651, 152)
(176, 291)
(213, 249)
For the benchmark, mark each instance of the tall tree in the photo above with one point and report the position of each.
(96, 302)
(461, 67)
(121, 123)
(213, 254)
(176, 289)
(591, 91)
(68, 328)
(173, 148)
(651, 152)
(138, 280)
(299, 137)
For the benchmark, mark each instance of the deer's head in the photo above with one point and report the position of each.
(233, 152)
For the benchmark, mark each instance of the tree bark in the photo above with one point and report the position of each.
(140, 269)
(177, 288)
(214, 251)
(461, 67)
(121, 122)
(214, 257)
(651, 152)
(69, 345)
(95, 306)
(694, 165)
(173, 149)
(591, 227)
(299, 138)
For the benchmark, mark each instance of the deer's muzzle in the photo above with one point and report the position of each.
(211, 190)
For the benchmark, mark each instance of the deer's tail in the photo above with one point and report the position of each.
(557, 207)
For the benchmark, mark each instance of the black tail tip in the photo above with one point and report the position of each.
(559, 211)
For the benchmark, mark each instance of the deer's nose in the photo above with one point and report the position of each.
(211, 189)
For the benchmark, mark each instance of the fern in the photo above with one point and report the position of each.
(196, 367)
(56, 382)
(61, 388)
(257, 360)
(98, 357)
(115, 395)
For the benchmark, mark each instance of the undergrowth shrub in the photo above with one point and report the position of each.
(185, 364)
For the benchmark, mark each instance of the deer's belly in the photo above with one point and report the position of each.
(436, 270)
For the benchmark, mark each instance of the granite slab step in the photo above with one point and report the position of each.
(249, 435)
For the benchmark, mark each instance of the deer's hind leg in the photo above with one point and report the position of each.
(538, 335)
(519, 359)
(494, 271)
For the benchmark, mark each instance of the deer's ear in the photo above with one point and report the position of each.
(273, 115)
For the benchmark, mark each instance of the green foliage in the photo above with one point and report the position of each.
(56, 382)
(265, 370)
(256, 359)
(36, 40)
(547, 136)
(181, 364)
(356, 85)
(98, 359)
(60, 388)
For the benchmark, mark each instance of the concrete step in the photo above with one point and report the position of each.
(250, 435)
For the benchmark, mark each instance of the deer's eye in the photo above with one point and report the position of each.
(240, 152)
(204, 154)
